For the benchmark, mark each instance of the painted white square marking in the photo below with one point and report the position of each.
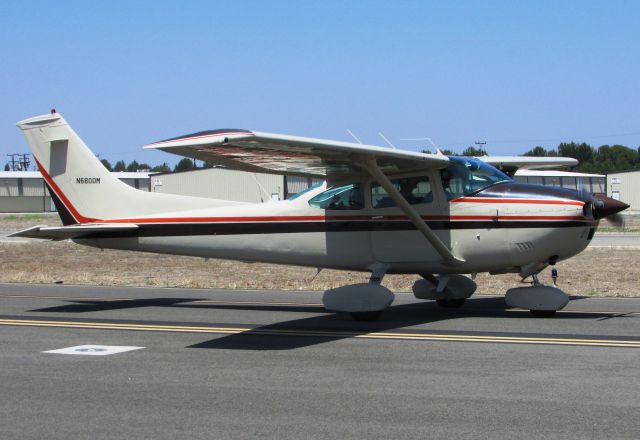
(93, 350)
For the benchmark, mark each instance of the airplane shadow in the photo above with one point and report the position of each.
(327, 326)
(396, 317)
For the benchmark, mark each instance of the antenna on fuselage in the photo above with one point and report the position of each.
(354, 136)
(438, 152)
(387, 140)
(261, 188)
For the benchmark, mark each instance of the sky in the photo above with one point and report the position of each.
(514, 74)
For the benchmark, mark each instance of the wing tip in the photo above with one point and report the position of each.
(221, 132)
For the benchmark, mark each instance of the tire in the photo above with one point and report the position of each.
(543, 313)
(366, 316)
(451, 303)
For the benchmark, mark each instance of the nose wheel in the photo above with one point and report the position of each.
(542, 301)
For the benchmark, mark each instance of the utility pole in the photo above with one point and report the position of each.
(19, 162)
(480, 145)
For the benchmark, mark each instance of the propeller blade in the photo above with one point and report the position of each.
(616, 220)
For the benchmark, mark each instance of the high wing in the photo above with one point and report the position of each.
(511, 164)
(282, 154)
(75, 231)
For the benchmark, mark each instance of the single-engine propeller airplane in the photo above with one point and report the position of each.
(380, 210)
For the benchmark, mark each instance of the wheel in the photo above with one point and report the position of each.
(366, 316)
(543, 313)
(451, 303)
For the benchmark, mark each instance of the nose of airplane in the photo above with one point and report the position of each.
(604, 206)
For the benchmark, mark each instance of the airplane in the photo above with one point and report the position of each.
(380, 210)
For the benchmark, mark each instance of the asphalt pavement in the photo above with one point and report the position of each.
(269, 364)
(615, 240)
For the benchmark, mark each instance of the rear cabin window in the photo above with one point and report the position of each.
(341, 198)
(415, 190)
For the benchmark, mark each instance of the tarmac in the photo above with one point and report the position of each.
(270, 364)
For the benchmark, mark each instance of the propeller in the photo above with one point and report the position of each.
(603, 207)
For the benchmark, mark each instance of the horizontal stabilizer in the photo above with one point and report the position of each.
(74, 231)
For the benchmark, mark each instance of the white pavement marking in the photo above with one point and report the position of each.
(93, 350)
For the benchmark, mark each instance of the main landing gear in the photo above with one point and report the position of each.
(364, 301)
(542, 301)
(449, 291)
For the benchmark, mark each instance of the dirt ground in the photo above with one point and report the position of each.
(596, 272)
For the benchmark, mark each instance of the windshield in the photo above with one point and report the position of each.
(304, 191)
(342, 197)
(466, 175)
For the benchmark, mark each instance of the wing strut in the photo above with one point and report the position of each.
(371, 166)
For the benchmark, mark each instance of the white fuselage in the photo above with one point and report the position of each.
(490, 235)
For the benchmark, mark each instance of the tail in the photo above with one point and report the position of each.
(83, 190)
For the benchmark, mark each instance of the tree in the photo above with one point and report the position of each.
(164, 168)
(537, 152)
(473, 151)
(119, 166)
(106, 164)
(184, 165)
(584, 152)
(133, 166)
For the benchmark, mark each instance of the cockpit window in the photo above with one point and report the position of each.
(341, 198)
(415, 190)
(466, 175)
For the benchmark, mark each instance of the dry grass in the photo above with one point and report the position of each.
(599, 272)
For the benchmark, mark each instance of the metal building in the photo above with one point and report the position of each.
(591, 183)
(220, 183)
(225, 184)
(25, 191)
(625, 186)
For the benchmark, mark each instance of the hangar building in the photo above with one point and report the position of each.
(25, 191)
(593, 183)
(225, 184)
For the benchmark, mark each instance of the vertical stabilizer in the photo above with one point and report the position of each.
(82, 188)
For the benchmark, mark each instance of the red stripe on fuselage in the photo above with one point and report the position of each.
(285, 218)
(526, 201)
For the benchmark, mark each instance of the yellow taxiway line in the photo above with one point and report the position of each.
(327, 334)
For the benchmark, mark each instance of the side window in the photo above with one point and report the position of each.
(415, 190)
(453, 182)
(341, 198)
